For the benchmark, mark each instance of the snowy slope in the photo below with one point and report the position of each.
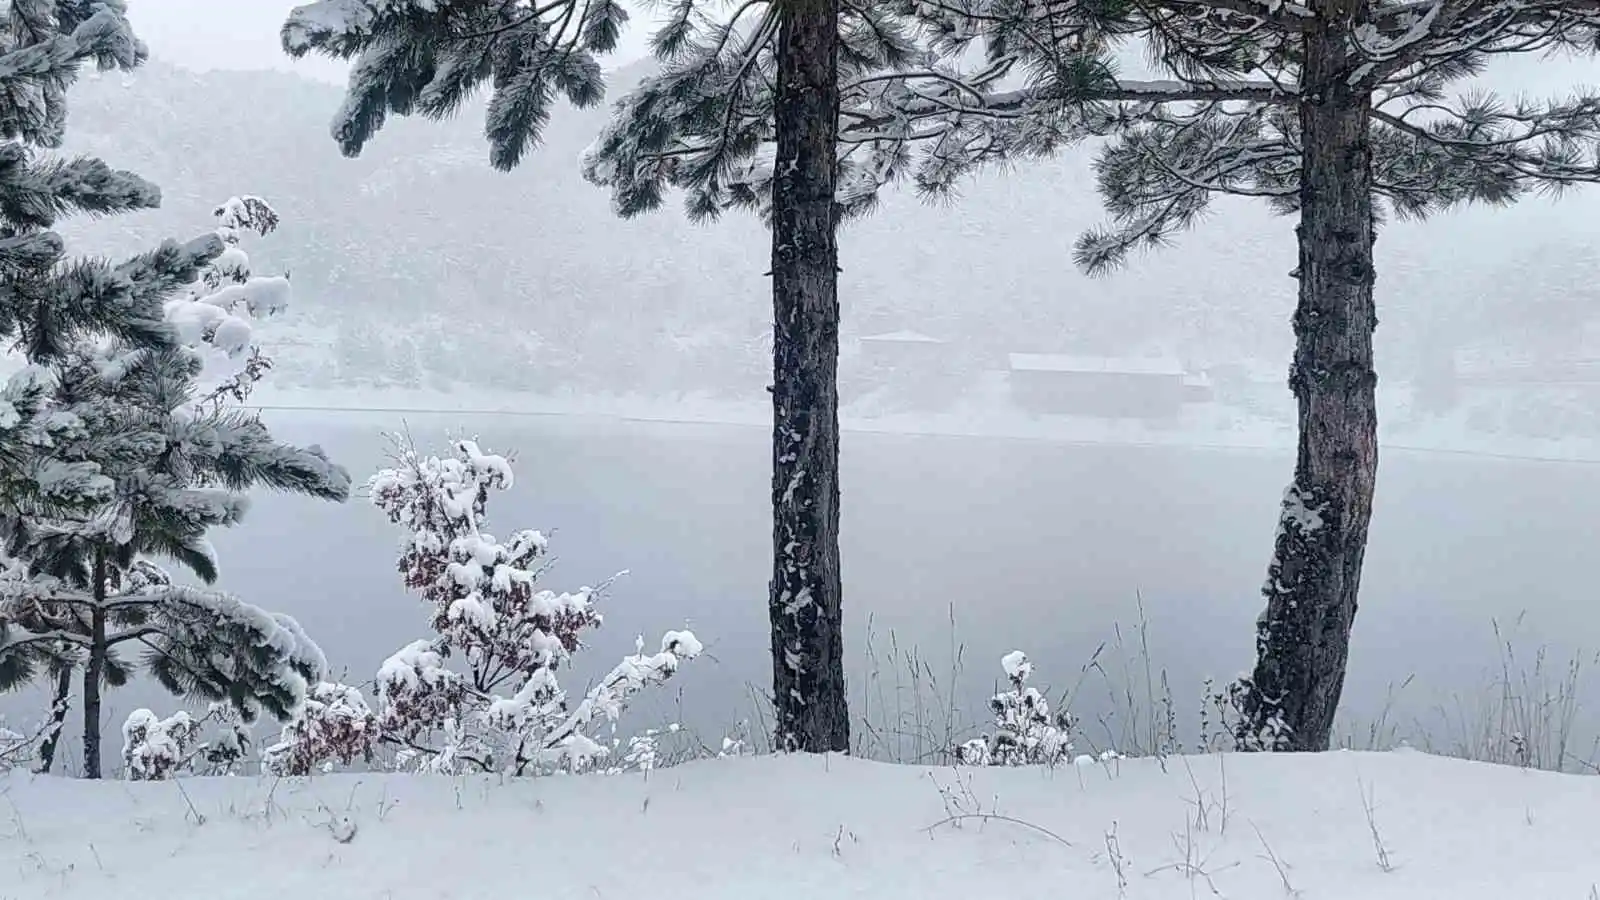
(754, 829)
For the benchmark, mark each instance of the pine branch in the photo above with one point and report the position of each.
(16, 636)
(1417, 33)
(1282, 15)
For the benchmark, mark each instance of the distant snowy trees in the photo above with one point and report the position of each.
(482, 694)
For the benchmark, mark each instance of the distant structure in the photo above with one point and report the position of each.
(917, 370)
(1103, 387)
(904, 351)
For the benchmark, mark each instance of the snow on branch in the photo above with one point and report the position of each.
(1220, 115)
(704, 125)
(213, 645)
(909, 106)
(1426, 34)
(466, 46)
(215, 316)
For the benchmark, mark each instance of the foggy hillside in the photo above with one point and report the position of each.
(418, 265)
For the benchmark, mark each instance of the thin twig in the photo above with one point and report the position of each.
(998, 817)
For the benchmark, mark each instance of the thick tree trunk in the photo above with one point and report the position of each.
(808, 689)
(58, 720)
(94, 672)
(1303, 637)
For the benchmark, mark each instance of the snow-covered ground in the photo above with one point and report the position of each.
(1339, 825)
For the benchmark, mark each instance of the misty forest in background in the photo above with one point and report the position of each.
(387, 251)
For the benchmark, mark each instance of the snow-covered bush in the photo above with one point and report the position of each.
(335, 725)
(16, 750)
(1025, 733)
(155, 749)
(482, 694)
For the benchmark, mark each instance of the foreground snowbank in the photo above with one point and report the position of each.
(775, 828)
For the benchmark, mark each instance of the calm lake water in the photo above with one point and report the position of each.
(1038, 546)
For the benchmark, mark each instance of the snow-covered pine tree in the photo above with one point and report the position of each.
(501, 709)
(805, 596)
(212, 318)
(46, 300)
(1339, 111)
(48, 303)
(88, 591)
(802, 110)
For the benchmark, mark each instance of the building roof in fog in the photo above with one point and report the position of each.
(901, 337)
(1056, 362)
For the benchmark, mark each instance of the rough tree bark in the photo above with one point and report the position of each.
(94, 671)
(58, 719)
(809, 700)
(1303, 636)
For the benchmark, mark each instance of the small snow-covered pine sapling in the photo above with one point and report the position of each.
(85, 589)
(500, 707)
(1025, 732)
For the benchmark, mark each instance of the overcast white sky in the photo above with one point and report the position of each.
(243, 34)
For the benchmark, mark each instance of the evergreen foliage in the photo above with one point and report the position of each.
(170, 459)
(428, 58)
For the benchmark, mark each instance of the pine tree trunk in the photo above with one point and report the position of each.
(809, 700)
(94, 671)
(59, 706)
(1303, 637)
